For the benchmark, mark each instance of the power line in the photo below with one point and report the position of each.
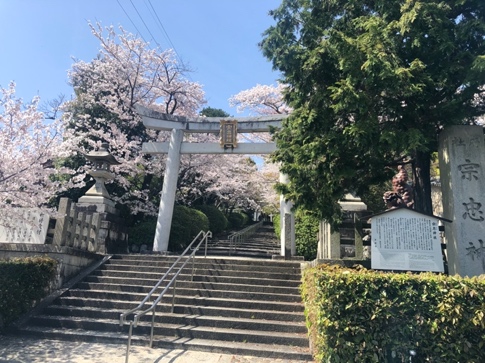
(160, 25)
(143, 21)
(121, 6)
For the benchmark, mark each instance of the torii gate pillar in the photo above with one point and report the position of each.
(169, 189)
(287, 225)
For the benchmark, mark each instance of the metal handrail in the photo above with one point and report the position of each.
(242, 235)
(139, 312)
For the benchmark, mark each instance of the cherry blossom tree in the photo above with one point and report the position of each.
(29, 145)
(127, 73)
(261, 100)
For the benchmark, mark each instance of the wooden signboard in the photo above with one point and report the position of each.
(403, 239)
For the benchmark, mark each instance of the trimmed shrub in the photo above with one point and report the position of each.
(369, 316)
(306, 234)
(23, 283)
(277, 225)
(237, 220)
(217, 220)
(143, 232)
(186, 224)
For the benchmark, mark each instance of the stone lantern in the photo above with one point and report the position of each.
(97, 194)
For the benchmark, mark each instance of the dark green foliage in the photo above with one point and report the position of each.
(23, 283)
(363, 316)
(217, 220)
(186, 224)
(213, 112)
(237, 220)
(306, 235)
(277, 225)
(373, 198)
(143, 232)
(371, 82)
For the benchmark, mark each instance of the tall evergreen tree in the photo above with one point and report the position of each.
(372, 83)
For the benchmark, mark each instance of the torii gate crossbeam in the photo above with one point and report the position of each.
(178, 125)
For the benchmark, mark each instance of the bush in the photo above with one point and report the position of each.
(186, 224)
(143, 233)
(368, 316)
(277, 225)
(306, 233)
(23, 283)
(237, 220)
(217, 220)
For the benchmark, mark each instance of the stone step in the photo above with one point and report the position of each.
(183, 309)
(201, 264)
(242, 252)
(274, 351)
(182, 319)
(120, 281)
(189, 300)
(205, 278)
(212, 261)
(170, 330)
(202, 292)
(204, 272)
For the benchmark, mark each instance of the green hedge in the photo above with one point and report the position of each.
(186, 224)
(23, 283)
(306, 234)
(237, 219)
(143, 232)
(368, 316)
(217, 220)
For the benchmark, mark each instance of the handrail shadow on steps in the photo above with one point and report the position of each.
(139, 311)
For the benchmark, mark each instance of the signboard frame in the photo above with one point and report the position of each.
(228, 129)
(404, 239)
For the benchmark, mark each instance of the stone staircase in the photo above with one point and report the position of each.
(234, 305)
(261, 245)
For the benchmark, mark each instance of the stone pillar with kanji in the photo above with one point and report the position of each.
(462, 173)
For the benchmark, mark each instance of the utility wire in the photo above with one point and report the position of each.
(121, 6)
(143, 21)
(160, 25)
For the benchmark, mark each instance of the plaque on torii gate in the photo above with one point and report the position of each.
(228, 127)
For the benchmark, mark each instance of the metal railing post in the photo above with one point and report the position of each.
(151, 331)
(193, 264)
(173, 295)
(129, 342)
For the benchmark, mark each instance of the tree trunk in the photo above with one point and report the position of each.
(422, 182)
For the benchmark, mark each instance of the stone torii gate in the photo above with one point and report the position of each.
(229, 127)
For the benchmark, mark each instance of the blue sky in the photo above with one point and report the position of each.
(216, 38)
